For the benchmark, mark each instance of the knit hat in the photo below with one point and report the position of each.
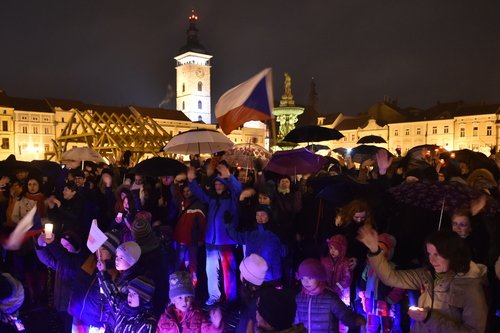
(112, 242)
(339, 242)
(311, 268)
(131, 252)
(253, 269)
(389, 241)
(180, 284)
(144, 287)
(73, 238)
(143, 233)
(277, 307)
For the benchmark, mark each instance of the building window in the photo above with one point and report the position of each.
(46, 130)
(353, 137)
(200, 85)
(488, 131)
(183, 87)
(446, 130)
(462, 132)
(35, 119)
(24, 117)
(434, 130)
(200, 105)
(46, 119)
(200, 118)
(24, 129)
(5, 125)
(183, 105)
(5, 143)
(396, 132)
(419, 131)
(407, 131)
(35, 130)
(474, 131)
(46, 147)
(62, 120)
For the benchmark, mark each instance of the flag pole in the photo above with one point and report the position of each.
(273, 130)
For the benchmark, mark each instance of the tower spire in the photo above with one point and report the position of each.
(193, 43)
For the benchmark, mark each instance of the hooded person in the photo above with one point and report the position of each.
(222, 204)
(182, 314)
(336, 264)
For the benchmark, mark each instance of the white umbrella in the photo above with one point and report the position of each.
(81, 154)
(198, 141)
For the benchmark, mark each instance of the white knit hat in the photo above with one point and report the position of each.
(131, 252)
(253, 269)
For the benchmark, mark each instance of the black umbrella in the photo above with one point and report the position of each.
(340, 151)
(339, 190)
(160, 166)
(365, 152)
(475, 160)
(312, 133)
(372, 139)
(10, 166)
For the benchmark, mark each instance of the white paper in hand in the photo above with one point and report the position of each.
(96, 237)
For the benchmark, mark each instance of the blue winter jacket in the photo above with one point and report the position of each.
(218, 205)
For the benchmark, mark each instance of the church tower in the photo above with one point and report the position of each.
(193, 76)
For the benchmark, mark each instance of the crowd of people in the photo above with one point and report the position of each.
(343, 249)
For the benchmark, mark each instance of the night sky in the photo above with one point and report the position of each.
(121, 52)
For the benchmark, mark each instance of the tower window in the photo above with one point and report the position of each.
(183, 87)
(200, 118)
(200, 106)
(200, 85)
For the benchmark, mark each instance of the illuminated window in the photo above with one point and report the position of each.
(419, 131)
(488, 131)
(474, 131)
(462, 132)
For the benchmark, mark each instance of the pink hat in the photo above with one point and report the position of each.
(253, 269)
(311, 268)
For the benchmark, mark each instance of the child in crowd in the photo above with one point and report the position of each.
(182, 315)
(380, 302)
(133, 313)
(319, 308)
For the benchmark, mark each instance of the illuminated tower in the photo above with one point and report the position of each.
(193, 76)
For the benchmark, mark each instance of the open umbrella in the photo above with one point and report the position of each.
(198, 141)
(341, 189)
(312, 133)
(475, 160)
(160, 166)
(245, 154)
(10, 166)
(371, 139)
(81, 154)
(363, 152)
(295, 161)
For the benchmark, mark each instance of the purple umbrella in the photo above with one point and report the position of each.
(295, 161)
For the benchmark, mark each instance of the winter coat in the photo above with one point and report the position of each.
(319, 313)
(87, 303)
(219, 206)
(263, 242)
(337, 270)
(287, 206)
(194, 321)
(457, 300)
(66, 265)
(191, 223)
(128, 320)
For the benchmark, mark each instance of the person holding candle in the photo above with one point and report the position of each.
(451, 297)
(65, 257)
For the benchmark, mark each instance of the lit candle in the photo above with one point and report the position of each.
(49, 227)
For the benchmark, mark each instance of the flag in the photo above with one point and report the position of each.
(96, 237)
(16, 238)
(250, 100)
